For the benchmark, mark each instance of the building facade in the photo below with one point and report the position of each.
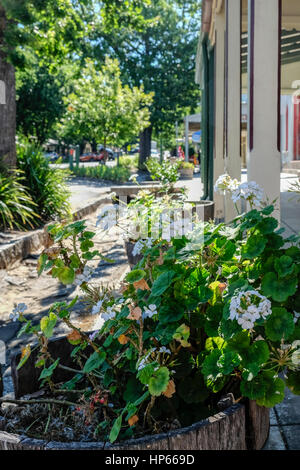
(248, 68)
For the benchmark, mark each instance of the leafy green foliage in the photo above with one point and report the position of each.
(293, 381)
(173, 349)
(17, 209)
(39, 101)
(280, 289)
(159, 381)
(279, 325)
(48, 324)
(94, 361)
(101, 109)
(162, 283)
(46, 186)
(103, 172)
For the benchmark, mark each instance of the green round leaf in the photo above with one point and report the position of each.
(159, 381)
(135, 276)
(293, 381)
(254, 247)
(280, 325)
(267, 225)
(228, 361)
(253, 389)
(66, 276)
(258, 353)
(210, 368)
(279, 289)
(273, 392)
(284, 266)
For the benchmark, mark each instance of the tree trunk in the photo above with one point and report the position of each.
(7, 103)
(145, 146)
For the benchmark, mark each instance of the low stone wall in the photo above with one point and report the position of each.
(33, 242)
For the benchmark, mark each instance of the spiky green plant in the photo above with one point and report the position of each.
(17, 209)
(46, 185)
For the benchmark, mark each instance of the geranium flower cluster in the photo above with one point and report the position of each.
(248, 191)
(248, 307)
(18, 312)
(145, 360)
(225, 183)
(140, 245)
(149, 311)
(85, 276)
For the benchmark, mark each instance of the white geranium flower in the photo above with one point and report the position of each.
(85, 276)
(107, 217)
(249, 191)
(140, 245)
(142, 364)
(109, 314)
(246, 321)
(144, 361)
(137, 249)
(18, 311)
(222, 184)
(165, 350)
(133, 177)
(96, 308)
(249, 306)
(296, 316)
(149, 311)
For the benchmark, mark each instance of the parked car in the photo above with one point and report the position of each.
(51, 156)
(110, 153)
(88, 157)
(102, 156)
(133, 151)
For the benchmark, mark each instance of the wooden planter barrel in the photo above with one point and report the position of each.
(227, 430)
(238, 427)
(132, 260)
(186, 173)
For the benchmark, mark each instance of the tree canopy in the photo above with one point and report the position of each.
(161, 56)
(55, 31)
(101, 109)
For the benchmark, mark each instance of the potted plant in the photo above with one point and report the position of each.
(165, 172)
(186, 170)
(200, 317)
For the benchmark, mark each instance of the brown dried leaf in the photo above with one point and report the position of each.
(26, 351)
(52, 252)
(123, 287)
(135, 313)
(171, 389)
(142, 284)
(222, 286)
(123, 339)
(74, 336)
(134, 419)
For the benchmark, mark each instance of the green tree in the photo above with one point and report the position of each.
(162, 57)
(39, 101)
(54, 29)
(101, 109)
